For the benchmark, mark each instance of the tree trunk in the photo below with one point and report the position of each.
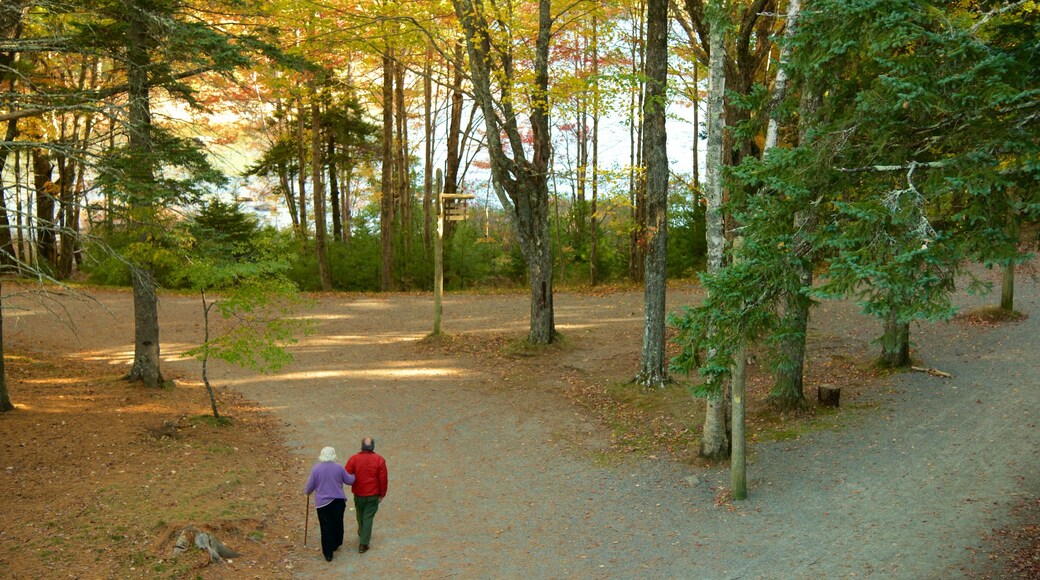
(146, 311)
(654, 370)
(895, 342)
(146, 329)
(7, 251)
(593, 223)
(320, 215)
(26, 230)
(428, 153)
(788, 389)
(402, 174)
(386, 203)
(525, 182)
(738, 460)
(46, 241)
(72, 248)
(1007, 281)
(696, 130)
(20, 217)
(66, 202)
(714, 440)
(284, 180)
(301, 163)
(580, 209)
(438, 261)
(334, 195)
(205, 355)
(638, 184)
(454, 157)
(5, 400)
(532, 219)
(290, 198)
(78, 198)
(780, 85)
(348, 179)
(12, 14)
(1007, 288)
(633, 238)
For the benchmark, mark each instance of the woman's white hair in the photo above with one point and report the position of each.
(327, 454)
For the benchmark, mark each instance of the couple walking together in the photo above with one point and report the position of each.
(365, 472)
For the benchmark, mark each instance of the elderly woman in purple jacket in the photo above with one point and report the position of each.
(326, 482)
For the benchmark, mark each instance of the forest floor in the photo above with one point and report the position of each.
(507, 461)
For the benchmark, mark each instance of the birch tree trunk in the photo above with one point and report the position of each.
(7, 247)
(12, 14)
(345, 207)
(714, 440)
(654, 371)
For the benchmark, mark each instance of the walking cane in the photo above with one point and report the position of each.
(306, 519)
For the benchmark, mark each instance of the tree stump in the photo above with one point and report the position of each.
(829, 395)
(218, 552)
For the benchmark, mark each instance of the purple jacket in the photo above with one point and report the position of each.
(327, 481)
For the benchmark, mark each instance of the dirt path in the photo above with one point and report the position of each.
(487, 479)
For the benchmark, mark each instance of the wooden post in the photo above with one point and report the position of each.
(453, 211)
(438, 258)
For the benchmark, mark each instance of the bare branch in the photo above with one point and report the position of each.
(982, 21)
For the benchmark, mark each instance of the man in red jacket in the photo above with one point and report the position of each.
(369, 471)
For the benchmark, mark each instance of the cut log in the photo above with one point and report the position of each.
(933, 372)
(218, 552)
(829, 395)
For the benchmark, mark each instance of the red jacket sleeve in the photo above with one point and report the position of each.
(382, 479)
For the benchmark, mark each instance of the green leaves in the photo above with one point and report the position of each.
(258, 321)
(182, 173)
(239, 270)
(921, 153)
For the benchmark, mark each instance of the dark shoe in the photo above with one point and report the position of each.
(328, 558)
(362, 548)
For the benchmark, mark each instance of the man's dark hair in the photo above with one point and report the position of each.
(368, 444)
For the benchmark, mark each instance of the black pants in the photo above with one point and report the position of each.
(330, 517)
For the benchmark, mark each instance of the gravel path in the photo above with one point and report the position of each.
(485, 480)
(481, 489)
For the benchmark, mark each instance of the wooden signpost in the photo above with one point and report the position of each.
(450, 207)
